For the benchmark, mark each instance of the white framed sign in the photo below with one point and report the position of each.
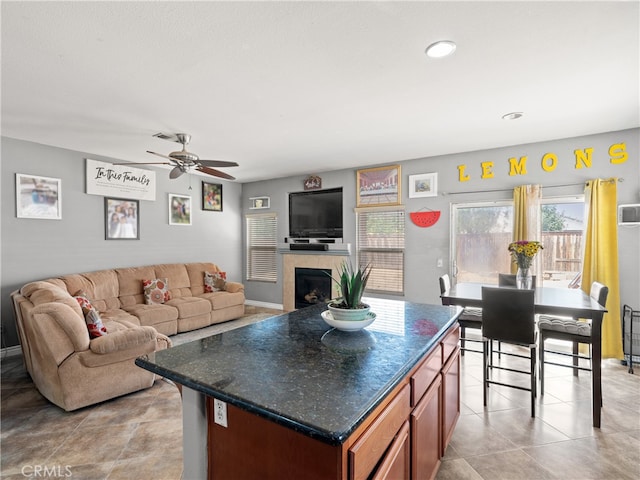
(122, 181)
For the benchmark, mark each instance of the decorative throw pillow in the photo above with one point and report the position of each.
(214, 282)
(91, 316)
(156, 291)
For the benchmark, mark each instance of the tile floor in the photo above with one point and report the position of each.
(140, 435)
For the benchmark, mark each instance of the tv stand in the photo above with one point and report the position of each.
(296, 240)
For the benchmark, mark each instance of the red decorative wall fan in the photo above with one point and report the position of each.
(425, 218)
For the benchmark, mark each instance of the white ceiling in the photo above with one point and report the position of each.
(287, 88)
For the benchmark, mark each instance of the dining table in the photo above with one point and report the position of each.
(565, 302)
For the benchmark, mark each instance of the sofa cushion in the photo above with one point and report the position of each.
(214, 282)
(221, 299)
(119, 315)
(176, 275)
(105, 289)
(190, 306)
(130, 282)
(152, 314)
(156, 291)
(46, 292)
(196, 275)
(92, 317)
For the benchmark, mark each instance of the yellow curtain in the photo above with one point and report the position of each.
(526, 219)
(600, 261)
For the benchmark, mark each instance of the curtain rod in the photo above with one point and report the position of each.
(511, 189)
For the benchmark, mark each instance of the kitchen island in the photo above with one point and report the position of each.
(290, 397)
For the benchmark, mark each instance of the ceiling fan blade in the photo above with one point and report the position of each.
(161, 155)
(143, 163)
(214, 172)
(176, 172)
(217, 163)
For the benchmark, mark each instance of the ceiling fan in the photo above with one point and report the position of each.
(183, 161)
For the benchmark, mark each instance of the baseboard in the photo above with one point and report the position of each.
(256, 303)
(12, 351)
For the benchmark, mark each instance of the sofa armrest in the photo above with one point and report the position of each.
(234, 287)
(123, 340)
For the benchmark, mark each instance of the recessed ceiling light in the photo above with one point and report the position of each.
(512, 116)
(440, 49)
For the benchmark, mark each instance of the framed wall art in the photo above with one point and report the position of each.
(121, 219)
(212, 197)
(179, 209)
(379, 186)
(38, 197)
(424, 185)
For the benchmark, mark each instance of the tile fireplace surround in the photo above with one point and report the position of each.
(291, 261)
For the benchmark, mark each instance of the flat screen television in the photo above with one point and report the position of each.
(316, 214)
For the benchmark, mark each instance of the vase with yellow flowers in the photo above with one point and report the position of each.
(522, 253)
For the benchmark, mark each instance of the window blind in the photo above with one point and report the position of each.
(261, 247)
(380, 243)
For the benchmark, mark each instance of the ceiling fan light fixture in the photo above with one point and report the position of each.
(512, 116)
(441, 49)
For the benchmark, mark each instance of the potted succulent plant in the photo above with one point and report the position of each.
(352, 283)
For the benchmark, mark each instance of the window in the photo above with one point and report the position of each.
(481, 233)
(261, 247)
(562, 230)
(380, 243)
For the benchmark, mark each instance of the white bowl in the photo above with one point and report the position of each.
(348, 325)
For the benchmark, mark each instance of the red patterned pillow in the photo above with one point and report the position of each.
(156, 291)
(214, 282)
(91, 316)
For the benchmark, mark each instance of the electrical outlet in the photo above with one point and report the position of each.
(220, 412)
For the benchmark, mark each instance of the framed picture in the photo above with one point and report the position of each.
(424, 185)
(259, 202)
(121, 219)
(212, 197)
(378, 186)
(38, 197)
(179, 209)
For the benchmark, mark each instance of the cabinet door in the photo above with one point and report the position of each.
(395, 464)
(426, 434)
(450, 397)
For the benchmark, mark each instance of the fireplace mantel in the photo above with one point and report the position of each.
(291, 261)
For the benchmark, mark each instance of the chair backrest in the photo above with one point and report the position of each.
(599, 293)
(509, 280)
(445, 283)
(508, 315)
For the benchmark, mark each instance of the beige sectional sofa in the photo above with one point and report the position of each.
(73, 370)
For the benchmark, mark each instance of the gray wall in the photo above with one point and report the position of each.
(424, 246)
(39, 249)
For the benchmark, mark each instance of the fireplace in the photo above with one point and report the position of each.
(294, 259)
(312, 286)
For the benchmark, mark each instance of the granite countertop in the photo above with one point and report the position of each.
(297, 371)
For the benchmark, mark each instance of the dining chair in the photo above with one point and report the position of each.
(508, 316)
(573, 330)
(471, 317)
(509, 280)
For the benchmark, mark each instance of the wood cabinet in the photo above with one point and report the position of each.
(397, 462)
(450, 396)
(403, 438)
(426, 433)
